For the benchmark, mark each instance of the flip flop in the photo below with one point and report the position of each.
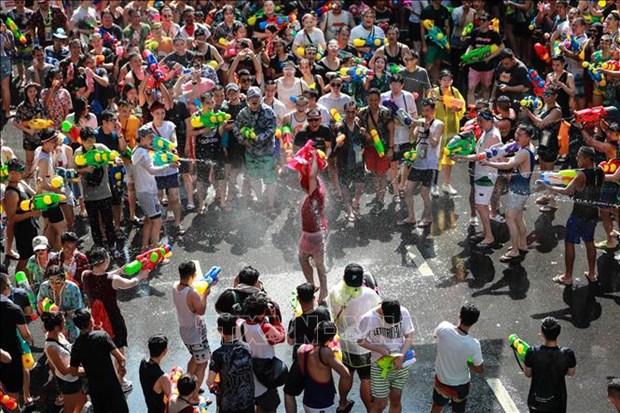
(424, 224)
(590, 280)
(509, 258)
(484, 245)
(346, 409)
(558, 279)
(402, 223)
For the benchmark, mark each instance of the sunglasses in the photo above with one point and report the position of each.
(246, 80)
(313, 119)
(336, 84)
(548, 94)
(56, 282)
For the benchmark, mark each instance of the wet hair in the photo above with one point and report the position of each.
(588, 152)
(97, 255)
(469, 314)
(55, 271)
(391, 311)
(445, 73)
(528, 129)
(69, 236)
(428, 102)
(325, 332)
(226, 322)
(186, 270)
(87, 133)
(550, 328)
(255, 305)
(374, 91)
(305, 293)
(558, 58)
(186, 384)
(81, 318)
(507, 53)
(248, 275)
(157, 345)
(51, 320)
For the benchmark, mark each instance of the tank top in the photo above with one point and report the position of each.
(520, 184)
(285, 93)
(563, 98)
(192, 327)
(585, 200)
(485, 175)
(150, 372)
(23, 196)
(317, 395)
(42, 155)
(312, 211)
(549, 135)
(427, 156)
(297, 125)
(397, 59)
(64, 351)
(99, 287)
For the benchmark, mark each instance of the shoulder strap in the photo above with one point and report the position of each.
(243, 332)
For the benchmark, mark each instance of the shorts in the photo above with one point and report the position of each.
(516, 201)
(261, 167)
(149, 204)
(330, 409)
(12, 374)
(167, 181)
(548, 153)
(294, 385)
(579, 86)
(380, 387)
(311, 243)
(201, 352)
(375, 163)
(69, 387)
(475, 77)
(54, 215)
(434, 54)
(203, 170)
(5, 67)
(483, 187)
(31, 142)
(443, 394)
(424, 176)
(609, 195)
(401, 148)
(357, 362)
(268, 401)
(23, 239)
(129, 174)
(578, 229)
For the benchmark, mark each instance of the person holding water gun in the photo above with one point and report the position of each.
(441, 17)
(155, 384)
(455, 349)
(13, 323)
(427, 135)
(379, 149)
(30, 108)
(572, 51)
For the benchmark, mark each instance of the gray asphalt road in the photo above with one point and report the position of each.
(432, 273)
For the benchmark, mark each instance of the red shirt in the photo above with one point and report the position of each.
(312, 211)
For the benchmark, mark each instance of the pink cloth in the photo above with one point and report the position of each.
(311, 242)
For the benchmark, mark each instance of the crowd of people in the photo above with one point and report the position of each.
(180, 96)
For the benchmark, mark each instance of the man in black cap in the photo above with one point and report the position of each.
(23, 223)
(349, 300)
(53, 218)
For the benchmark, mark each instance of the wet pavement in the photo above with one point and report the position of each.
(432, 272)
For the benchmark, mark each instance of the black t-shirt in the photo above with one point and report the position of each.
(174, 57)
(320, 136)
(515, 76)
(150, 372)
(177, 115)
(92, 351)
(10, 317)
(233, 361)
(480, 39)
(234, 147)
(109, 140)
(438, 16)
(209, 146)
(549, 366)
(301, 329)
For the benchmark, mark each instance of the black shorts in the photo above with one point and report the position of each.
(356, 362)
(23, 239)
(400, 151)
(203, 169)
(69, 387)
(31, 143)
(117, 197)
(424, 176)
(443, 394)
(548, 154)
(12, 374)
(294, 385)
(268, 401)
(54, 215)
(168, 181)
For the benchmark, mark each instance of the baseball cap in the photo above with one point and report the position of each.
(60, 33)
(232, 86)
(391, 311)
(15, 165)
(354, 275)
(40, 243)
(144, 131)
(253, 92)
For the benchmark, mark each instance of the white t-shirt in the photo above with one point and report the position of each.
(453, 351)
(166, 131)
(376, 331)
(316, 38)
(278, 107)
(347, 320)
(330, 102)
(64, 351)
(359, 32)
(404, 101)
(144, 171)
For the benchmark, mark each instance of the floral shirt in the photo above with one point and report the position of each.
(60, 105)
(74, 270)
(37, 271)
(45, 26)
(69, 299)
(25, 112)
(264, 123)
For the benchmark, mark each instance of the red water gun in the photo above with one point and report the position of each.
(591, 114)
(610, 167)
(542, 53)
(538, 84)
(8, 401)
(148, 260)
(153, 67)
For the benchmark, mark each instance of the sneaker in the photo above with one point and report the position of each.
(127, 386)
(499, 219)
(448, 189)
(473, 222)
(604, 246)
(435, 191)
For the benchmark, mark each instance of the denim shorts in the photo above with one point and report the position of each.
(5, 67)
(578, 229)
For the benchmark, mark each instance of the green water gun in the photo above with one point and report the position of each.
(4, 172)
(162, 144)
(42, 202)
(96, 158)
(164, 158)
(461, 144)
(479, 54)
(387, 362)
(520, 347)
(27, 359)
(248, 134)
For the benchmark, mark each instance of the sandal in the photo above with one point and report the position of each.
(12, 255)
(590, 280)
(346, 409)
(509, 258)
(180, 229)
(485, 245)
(559, 280)
(425, 224)
(404, 222)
